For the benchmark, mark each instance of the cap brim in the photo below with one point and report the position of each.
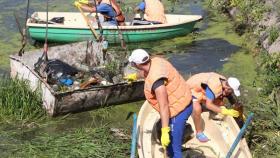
(236, 93)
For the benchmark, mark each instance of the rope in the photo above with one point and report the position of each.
(23, 31)
(46, 36)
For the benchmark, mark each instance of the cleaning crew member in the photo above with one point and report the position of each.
(167, 92)
(108, 8)
(153, 10)
(210, 89)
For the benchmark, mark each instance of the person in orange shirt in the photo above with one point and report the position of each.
(167, 92)
(210, 89)
(154, 11)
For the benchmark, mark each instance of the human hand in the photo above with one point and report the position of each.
(165, 140)
(230, 112)
(77, 4)
(84, 1)
(131, 77)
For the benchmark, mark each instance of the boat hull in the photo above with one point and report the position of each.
(136, 35)
(74, 28)
(71, 101)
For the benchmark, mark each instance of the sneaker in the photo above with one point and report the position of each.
(202, 137)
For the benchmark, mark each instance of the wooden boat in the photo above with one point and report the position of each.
(73, 100)
(74, 28)
(222, 134)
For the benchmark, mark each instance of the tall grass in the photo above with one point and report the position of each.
(17, 101)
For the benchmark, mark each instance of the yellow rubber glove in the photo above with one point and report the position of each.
(77, 4)
(229, 112)
(83, 1)
(131, 77)
(165, 140)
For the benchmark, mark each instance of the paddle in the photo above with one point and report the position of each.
(123, 44)
(89, 24)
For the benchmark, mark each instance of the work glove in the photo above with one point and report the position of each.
(83, 1)
(131, 77)
(77, 4)
(165, 140)
(229, 112)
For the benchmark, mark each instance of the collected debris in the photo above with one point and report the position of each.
(85, 65)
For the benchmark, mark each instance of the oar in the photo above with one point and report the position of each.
(119, 31)
(134, 137)
(239, 136)
(89, 24)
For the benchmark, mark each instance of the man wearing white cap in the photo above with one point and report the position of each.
(210, 89)
(167, 92)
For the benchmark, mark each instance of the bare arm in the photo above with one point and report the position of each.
(162, 98)
(88, 9)
(211, 106)
(137, 10)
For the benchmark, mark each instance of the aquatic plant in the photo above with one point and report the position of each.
(17, 101)
(273, 34)
(95, 142)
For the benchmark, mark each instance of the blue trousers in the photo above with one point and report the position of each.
(177, 126)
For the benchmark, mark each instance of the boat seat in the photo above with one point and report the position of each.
(136, 22)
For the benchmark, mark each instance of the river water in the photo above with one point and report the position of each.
(200, 51)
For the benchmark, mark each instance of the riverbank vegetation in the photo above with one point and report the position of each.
(265, 131)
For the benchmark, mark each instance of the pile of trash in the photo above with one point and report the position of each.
(83, 65)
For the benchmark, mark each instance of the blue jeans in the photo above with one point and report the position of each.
(177, 126)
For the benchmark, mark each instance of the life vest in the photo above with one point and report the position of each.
(119, 16)
(212, 80)
(154, 11)
(179, 94)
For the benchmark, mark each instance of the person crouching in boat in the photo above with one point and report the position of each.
(154, 12)
(112, 14)
(167, 92)
(209, 89)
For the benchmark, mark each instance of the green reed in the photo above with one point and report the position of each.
(17, 101)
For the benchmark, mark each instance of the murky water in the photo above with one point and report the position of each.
(196, 52)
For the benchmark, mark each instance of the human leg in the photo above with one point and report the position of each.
(197, 110)
(177, 126)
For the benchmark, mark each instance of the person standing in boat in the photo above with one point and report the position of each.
(167, 92)
(112, 14)
(154, 11)
(208, 90)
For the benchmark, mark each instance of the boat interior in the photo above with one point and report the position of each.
(221, 131)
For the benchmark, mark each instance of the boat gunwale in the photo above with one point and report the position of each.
(123, 28)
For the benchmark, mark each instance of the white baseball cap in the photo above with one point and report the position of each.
(234, 84)
(139, 56)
